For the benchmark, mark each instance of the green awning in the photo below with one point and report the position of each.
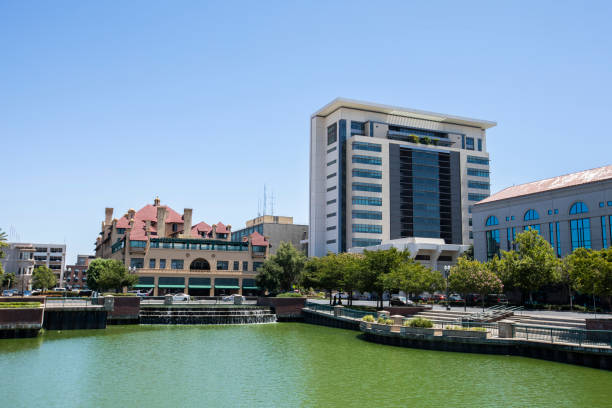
(226, 287)
(171, 286)
(199, 286)
(250, 287)
(144, 286)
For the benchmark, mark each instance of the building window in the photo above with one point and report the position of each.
(478, 184)
(331, 201)
(331, 162)
(556, 211)
(469, 143)
(367, 173)
(476, 197)
(152, 263)
(331, 215)
(609, 203)
(376, 188)
(137, 263)
(331, 241)
(603, 232)
(579, 208)
(367, 215)
(357, 128)
(367, 228)
(580, 233)
(480, 145)
(549, 212)
(359, 200)
(332, 134)
(222, 265)
(331, 188)
(365, 242)
(257, 265)
(162, 264)
(492, 220)
(492, 243)
(176, 264)
(470, 222)
(551, 235)
(245, 266)
(478, 172)
(477, 160)
(331, 150)
(377, 161)
(372, 147)
(507, 218)
(236, 265)
(531, 215)
(331, 175)
(471, 235)
(601, 204)
(331, 228)
(120, 230)
(138, 244)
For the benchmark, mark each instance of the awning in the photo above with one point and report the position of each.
(250, 287)
(226, 287)
(140, 285)
(171, 286)
(199, 286)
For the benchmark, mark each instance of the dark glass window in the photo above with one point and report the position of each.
(551, 235)
(531, 215)
(332, 134)
(476, 197)
(176, 264)
(120, 230)
(331, 149)
(222, 265)
(480, 145)
(367, 159)
(492, 220)
(469, 143)
(478, 184)
(152, 263)
(245, 265)
(556, 211)
(367, 228)
(580, 231)
(601, 204)
(367, 173)
(162, 264)
(331, 201)
(477, 160)
(603, 233)
(579, 208)
(367, 215)
(365, 242)
(331, 241)
(331, 188)
(137, 262)
(331, 175)
(492, 238)
(549, 212)
(372, 147)
(331, 215)
(357, 128)
(138, 244)
(609, 203)
(359, 200)
(331, 162)
(331, 228)
(478, 172)
(377, 188)
(558, 235)
(257, 265)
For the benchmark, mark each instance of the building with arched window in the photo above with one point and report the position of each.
(570, 211)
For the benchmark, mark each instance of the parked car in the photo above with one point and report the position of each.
(424, 298)
(180, 297)
(455, 297)
(439, 297)
(496, 299)
(7, 293)
(27, 293)
(472, 299)
(397, 300)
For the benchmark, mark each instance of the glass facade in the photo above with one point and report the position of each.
(238, 235)
(367, 173)
(531, 215)
(357, 128)
(367, 228)
(492, 243)
(477, 160)
(478, 172)
(365, 242)
(579, 208)
(469, 143)
(580, 231)
(377, 188)
(482, 185)
(367, 215)
(604, 237)
(377, 161)
(332, 134)
(372, 147)
(360, 200)
(492, 220)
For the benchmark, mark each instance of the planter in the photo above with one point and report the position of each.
(420, 331)
(382, 328)
(465, 334)
(365, 326)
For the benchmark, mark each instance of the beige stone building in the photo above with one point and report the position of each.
(169, 254)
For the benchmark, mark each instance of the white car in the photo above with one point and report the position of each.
(181, 297)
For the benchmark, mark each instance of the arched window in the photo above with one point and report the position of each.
(200, 264)
(579, 208)
(531, 215)
(492, 220)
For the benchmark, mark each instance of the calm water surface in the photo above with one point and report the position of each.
(284, 364)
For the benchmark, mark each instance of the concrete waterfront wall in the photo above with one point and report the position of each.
(405, 310)
(328, 320)
(25, 322)
(585, 356)
(599, 324)
(126, 310)
(74, 318)
(284, 308)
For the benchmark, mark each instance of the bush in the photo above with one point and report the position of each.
(368, 318)
(19, 305)
(381, 320)
(389, 322)
(118, 294)
(463, 328)
(289, 295)
(420, 323)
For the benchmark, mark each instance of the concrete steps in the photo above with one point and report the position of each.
(549, 321)
(442, 315)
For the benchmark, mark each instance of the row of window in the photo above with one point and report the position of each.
(367, 215)
(479, 184)
(373, 160)
(204, 247)
(367, 228)
(468, 143)
(372, 147)
(365, 242)
(376, 188)
(531, 214)
(477, 160)
(179, 264)
(377, 174)
(477, 172)
(476, 197)
(361, 200)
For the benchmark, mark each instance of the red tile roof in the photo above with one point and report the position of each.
(221, 229)
(200, 228)
(258, 239)
(555, 183)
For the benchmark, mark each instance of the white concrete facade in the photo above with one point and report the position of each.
(331, 226)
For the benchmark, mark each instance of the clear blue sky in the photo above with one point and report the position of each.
(112, 103)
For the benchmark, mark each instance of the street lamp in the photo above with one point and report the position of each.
(447, 269)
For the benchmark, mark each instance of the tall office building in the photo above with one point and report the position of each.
(382, 174)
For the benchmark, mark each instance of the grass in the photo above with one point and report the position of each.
(289, 295)
(19, 305)
(461, 328)
(420, 323)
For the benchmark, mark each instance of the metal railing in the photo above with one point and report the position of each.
(69, 301)
(318, 307)
(581, 337)
(491, 328)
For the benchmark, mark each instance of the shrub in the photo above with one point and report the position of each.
(19, 305)
(368, 318)
(419, 322)
(462, 328)
(289, 295)
(118, 294)
(381, 320)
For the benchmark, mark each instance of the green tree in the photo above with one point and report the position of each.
(104, 274)
(325, 273)
(592, 272)
(8, 280)
(351, 266)
(282, 270)
(43, 278)
(532, 265)
(473, 277)
(376, 265)
(469, 253)
(413, 277)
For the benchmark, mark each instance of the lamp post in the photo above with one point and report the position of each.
(447, 269)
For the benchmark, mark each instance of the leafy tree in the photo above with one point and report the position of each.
(325, 273)
(532, 265)
(352, 266)
(104, 274)
(43, 278)
(8, 279)
(413, 277)
(567, 278)
(473, 277)
(376, 265)
(282, 270)
(592, 271)
(469, 253)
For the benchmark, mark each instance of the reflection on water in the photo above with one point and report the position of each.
(284, 364)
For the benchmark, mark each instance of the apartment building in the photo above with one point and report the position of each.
(22, 258)
(382, 173)
(170, 254)
(76, 275)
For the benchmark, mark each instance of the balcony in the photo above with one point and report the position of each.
(417, 139)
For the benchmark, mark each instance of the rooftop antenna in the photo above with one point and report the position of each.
(259, 207)
(265, 206)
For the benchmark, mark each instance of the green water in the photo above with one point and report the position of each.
(274, 365)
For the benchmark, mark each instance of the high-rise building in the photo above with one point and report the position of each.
(382, 173)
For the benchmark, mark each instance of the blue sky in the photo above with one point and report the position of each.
(112, 103)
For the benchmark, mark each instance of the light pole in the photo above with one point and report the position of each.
(447, 269)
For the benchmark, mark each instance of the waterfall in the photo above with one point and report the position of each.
(206, 315)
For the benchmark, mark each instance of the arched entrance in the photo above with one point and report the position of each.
(200, 264)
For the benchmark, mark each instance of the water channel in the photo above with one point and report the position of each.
(269, 365)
